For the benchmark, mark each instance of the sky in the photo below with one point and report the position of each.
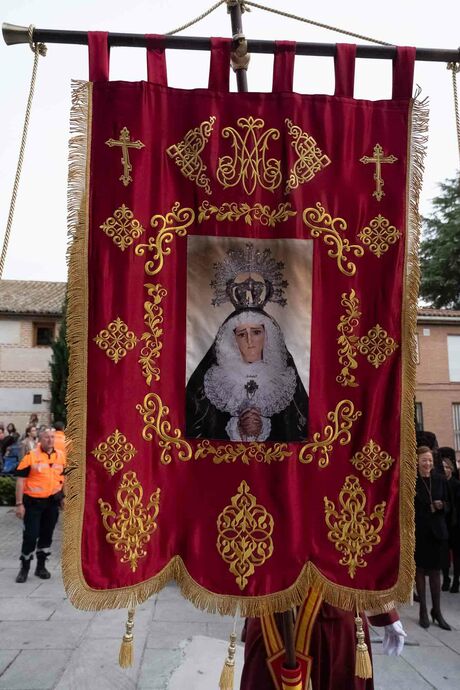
(39, 234)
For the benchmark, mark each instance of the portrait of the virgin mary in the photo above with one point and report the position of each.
(246, 387)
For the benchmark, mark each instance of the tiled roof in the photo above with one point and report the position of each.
(441, 313)
(31, 297)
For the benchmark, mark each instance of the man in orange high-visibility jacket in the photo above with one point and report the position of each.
(39, 493)
(59, 437)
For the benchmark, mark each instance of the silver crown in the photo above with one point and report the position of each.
(248, 278)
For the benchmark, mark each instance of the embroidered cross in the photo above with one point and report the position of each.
(125, 142)
(378, 158)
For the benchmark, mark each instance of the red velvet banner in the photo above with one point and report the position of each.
(242, 297)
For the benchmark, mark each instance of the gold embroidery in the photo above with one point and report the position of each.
(153, 317)
(244, 535)
(176, 221)
(378, 235)
(310, 158)
(125, 142)
(153, 413)
(249, 164)
(342, 419)
(321, 222)
(231, 452)
(116, 340)
(347, 340)
(114, 452)
(234, 211)
(130, 530)
(186, 154)
(352, 531)
(122, 227)
(372, 461)
(377, 346)
(378, 158)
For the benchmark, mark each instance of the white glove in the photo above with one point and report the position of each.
(393, 639)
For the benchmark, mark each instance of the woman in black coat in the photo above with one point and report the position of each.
(431, 506)
(453, 526)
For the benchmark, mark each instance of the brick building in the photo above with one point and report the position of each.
(438, 374)
(29, 316)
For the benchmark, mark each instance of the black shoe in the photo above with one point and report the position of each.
(41, 570)
(455, 586)
(445, 584)
(24, 571)
(440, 620)
(424, 621)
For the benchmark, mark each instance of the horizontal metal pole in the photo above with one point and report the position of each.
(18, 34)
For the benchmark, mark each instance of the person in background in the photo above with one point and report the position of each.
(30, 440)
(10, 438)
(33, 420)
(453, 526)
(431, 506)
(59, 437)
(39, 494)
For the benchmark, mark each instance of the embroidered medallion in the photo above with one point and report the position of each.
(151, 339)
(175, 222)
(379, 235)
(122, 227)
(131, 528)
(249, 165)
(244, 531)
(310, 159)
(321, 224)
(377, 346)
(116, 340)
(352, 531)
(114, 452)
(342, 419)
(187, 154)
(378, 158)
(372, 461)
(125, 143)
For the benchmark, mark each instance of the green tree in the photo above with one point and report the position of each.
(59, 372)
(440, 248)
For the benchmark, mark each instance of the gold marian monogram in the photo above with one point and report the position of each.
(378, 158)
(122, 227)
(153, 318)
(125, 142)
(244, 535)
(175, 222)
(372, 461)
(186, 154)
(342, 419)
(352, 531)
(231, 452)
(249, 164)
(130, 530)
(310, 158)
(233, 211)
(322, 224)
(114, 452)
(153, 413)
(378, 235)
(376, 345)
(116, 340)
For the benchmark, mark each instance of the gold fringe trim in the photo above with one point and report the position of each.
(87, 598)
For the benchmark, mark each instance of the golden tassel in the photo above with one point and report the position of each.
(126, 655)
(228, 671)
(363, 666)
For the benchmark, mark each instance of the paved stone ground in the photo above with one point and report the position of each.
(46, 644)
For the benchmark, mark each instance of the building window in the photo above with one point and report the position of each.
(37, 399)
(456, 424)
(418, 416)
(453, 353)
(44, 334)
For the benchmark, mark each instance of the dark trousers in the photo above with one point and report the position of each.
(40, 518)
